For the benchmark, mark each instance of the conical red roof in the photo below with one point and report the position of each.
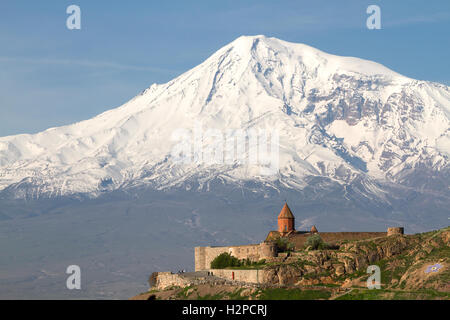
(285, 213)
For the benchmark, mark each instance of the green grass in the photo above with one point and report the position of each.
(218, 296)
(317, 275)
(150, 291)
(372, 245)
(432, 233)
(358, 274)
(327, 285)
(183, 292)
(443, 251)
(235, 295)
(227, 261)
(302, 263)
(386, 274)
(364, 294)
(294, 294)
(390, 272)
(442, 277)
(386, 294)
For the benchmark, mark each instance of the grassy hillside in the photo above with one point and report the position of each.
(412, 267)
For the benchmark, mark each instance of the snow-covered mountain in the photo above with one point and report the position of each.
(344, 119)
(360, 148)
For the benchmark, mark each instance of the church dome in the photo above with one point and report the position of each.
(285, 213)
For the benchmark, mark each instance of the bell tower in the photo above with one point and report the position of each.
(286, 220)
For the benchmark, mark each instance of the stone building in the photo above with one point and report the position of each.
(286, 220)
(286, 230)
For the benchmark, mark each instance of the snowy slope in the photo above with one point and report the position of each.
(337, 117)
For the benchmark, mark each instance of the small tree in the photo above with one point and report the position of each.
(225, 260)
(315, 242)
(284, 245)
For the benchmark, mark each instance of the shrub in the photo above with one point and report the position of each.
(284, 245)
(225, 260)
(315, 242)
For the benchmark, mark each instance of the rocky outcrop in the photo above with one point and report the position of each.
(354, 257)
(407, 262)
(282, 275)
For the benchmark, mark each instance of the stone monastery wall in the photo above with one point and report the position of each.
(255, 252)
(165, 280)
(267, 249)
(331, 237)
(248, 276)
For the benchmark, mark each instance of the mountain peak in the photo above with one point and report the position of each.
(260, 47)
(338, 117)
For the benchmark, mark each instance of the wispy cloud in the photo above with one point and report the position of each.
(85, 63)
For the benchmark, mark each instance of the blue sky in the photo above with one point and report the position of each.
(51, 76)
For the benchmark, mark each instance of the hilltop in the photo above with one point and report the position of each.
(412, 267)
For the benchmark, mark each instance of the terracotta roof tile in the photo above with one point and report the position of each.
(286, 213)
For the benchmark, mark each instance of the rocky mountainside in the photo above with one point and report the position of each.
(351, 121)
(412, 267)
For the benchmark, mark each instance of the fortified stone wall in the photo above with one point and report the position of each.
(299, 238)
(267, 249)
(395, 230)
(248, 276)
(332, 237)
(165, 280)
(168, 279)
(255, 252)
